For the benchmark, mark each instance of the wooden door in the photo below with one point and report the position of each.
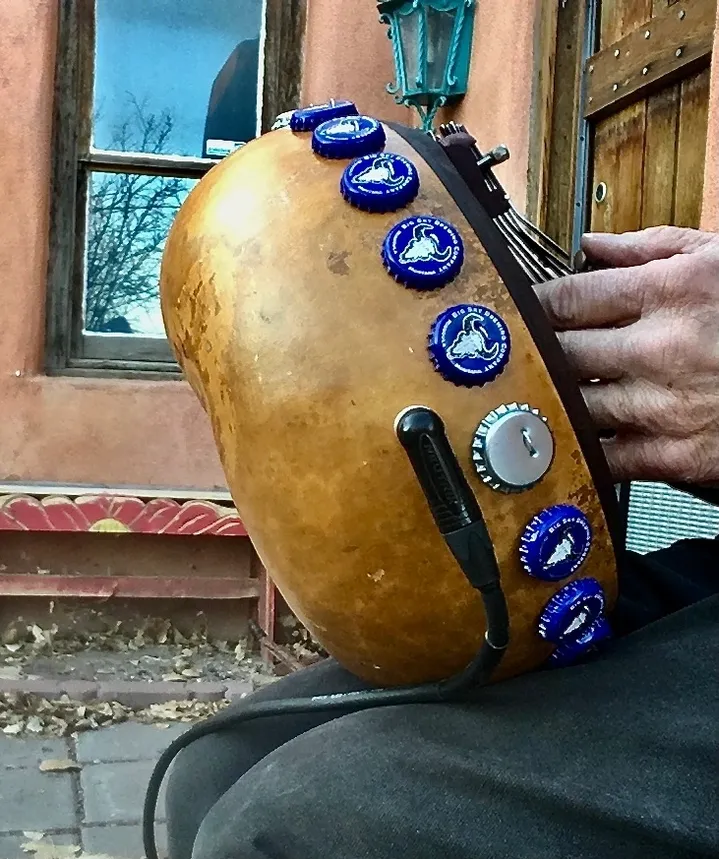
(620, 114)
(647, 97)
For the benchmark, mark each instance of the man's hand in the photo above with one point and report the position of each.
(647, 326)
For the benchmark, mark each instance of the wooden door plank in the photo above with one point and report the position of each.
(619, 139)
(619, 17)
(543, 107)
(618, 163)
(660, 151)
(691, 149)
(674, 44)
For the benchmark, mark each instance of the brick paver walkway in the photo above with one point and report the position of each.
(98, 807)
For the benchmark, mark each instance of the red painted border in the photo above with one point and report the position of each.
(118, 514)
(127, 514)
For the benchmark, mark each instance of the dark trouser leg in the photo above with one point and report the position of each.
(545, 751)
(207, 768)
(618, 758)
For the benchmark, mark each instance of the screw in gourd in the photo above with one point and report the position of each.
(682, 15)
(600, 192)
(647, 34)
(679, 52)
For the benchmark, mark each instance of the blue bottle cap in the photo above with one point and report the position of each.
(555, 543)
(572, 611)
(569, 652)
(380, 183)
(348, 137)
(469, 344)
(423, 252)
(308, 118)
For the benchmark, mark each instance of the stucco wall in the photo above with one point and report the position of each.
(497, 107)
(710, 210)
(348, 55)
(64, 429)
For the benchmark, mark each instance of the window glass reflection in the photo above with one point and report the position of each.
(129, 217)
(440, 28)
(188, 66)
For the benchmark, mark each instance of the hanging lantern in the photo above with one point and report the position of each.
(432, 42)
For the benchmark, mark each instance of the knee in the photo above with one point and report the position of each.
(262, 815)
(273, 809)
(247, 818)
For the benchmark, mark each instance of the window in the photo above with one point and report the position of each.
(150, 94)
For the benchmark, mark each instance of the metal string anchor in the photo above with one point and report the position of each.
(528, 443)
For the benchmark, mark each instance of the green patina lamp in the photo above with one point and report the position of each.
(432, 41)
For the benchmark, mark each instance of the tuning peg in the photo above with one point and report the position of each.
(498, 155)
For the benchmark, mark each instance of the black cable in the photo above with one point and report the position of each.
(475, 674)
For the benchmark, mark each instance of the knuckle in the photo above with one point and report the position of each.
(685, 345)
(664, 234)
(673, 234)
(676, 458)
(650, 350)
(689, 459)
(666, 351)
(560, 301)
(704, 457)
(691, 279)
(652, 409)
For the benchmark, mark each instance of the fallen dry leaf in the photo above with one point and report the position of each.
(10, 672)
(59, 765)
(34, 725)
(63, 718)
(191, 672)
(10, 634)
(47, 850)
(40, 635)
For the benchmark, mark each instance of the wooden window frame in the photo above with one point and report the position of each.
(69, 351)
(559, 161)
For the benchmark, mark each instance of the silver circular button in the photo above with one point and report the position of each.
(513, 448)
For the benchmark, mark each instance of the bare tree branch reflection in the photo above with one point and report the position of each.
(129, 218)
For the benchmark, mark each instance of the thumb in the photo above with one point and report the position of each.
(638, 248)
